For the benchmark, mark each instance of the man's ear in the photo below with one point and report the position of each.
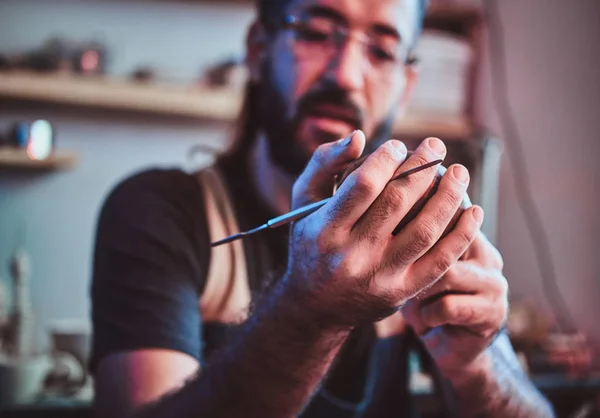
(256, 45)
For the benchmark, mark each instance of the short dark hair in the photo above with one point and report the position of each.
(271, 12)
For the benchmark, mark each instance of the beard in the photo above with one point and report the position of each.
(282, 127)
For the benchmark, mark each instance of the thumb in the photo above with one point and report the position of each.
(317, 180)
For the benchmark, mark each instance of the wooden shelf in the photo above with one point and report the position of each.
(122, 95)
(188, 102)
(16, 158)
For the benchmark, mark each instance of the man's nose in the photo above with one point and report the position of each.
(348, 66)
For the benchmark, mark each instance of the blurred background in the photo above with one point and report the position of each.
(94, 90)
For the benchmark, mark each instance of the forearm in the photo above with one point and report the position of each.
(269, 369)
(499, 388)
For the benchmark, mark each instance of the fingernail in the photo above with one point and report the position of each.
(348, 140)
(436, 146)
(478, 214)
(400, 149)
(460, 173)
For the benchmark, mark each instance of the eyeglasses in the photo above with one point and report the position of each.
(321, 38)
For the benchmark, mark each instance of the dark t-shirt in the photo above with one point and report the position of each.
(151, 260)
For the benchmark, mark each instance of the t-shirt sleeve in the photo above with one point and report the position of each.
(150, 263)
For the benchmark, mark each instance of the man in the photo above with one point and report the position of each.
(319, 69)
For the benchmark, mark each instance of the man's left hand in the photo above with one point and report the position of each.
(459, 316)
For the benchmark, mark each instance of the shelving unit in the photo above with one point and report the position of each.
(199, 104)
(213, 104)
(168, 100)
(17, 159)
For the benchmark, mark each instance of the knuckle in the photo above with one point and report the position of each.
(452, 194)
(395, 197)
(365, 183)
(392, 201)
(424, 235)
(348, 268)
(443, 262)
(462, 313)
(465, 236)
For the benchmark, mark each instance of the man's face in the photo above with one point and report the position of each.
(342, 68)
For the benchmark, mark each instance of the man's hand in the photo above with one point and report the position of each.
(459, 316)
(345, 257)
(459, 320)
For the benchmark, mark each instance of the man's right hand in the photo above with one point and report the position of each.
(345, 264)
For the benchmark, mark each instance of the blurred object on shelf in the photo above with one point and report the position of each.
(161, 75)
(21, 380)
(570, 353)
(5, 63)
(230, 73)
(444, 65)
(89, 58)
(143, 74)
(4, 315)
(36, 138)
(547, 351)
(62, 55)
(19, 343)
(70, 354)
(526, 325)
(21, 371)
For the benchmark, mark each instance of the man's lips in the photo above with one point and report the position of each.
(335, 113)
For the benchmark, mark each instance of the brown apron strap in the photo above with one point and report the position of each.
(226, 296)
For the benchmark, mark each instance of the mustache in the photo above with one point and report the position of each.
(310, 103)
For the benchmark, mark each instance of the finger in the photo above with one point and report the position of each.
(484, 253)
(428, 269)
(316, 181)
(399, 196)
(361, 188)
(422, 233)
(462, 310)
(392, 325)
(412, 314)
(462, 277)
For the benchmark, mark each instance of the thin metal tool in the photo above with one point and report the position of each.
(307, 210)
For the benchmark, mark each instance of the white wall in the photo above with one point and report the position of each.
(554, 77)
(60, 209)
